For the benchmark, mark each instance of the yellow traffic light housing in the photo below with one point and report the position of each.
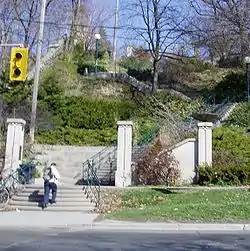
(19, 64)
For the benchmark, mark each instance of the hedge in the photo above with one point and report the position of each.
(231, 158)
(86, 113)
(73, 136)
(240, 115)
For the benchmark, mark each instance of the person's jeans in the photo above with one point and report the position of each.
(46, 192)
(47, 186)
(53, 187)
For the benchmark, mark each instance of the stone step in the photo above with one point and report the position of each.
(67, 148)
(60, 198)
(61, 161)
(76, 204)
(69, 174)
(53, 209)
(64, 179)
(66, 193)
(65, 196)
(61, 187)
(63, 158)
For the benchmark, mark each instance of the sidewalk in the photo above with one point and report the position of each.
(83, 221)
(43, 219)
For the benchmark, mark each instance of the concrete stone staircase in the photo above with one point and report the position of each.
(71, 197)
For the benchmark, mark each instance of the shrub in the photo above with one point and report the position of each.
(165, 102)
(87, 60)
(144, 130)
(157, 167)
(226, 175)
(50, 90)
(139, 68)
(240, 115)
(72, 136)
(86, 113)
(198, 66)
(233, 140)
(231, 88)
(230, 159)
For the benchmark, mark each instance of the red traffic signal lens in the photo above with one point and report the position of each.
(17, 72)
(19, 55)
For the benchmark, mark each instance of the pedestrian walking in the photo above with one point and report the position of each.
(51, 177)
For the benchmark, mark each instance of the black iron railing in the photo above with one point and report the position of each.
(99, 170)
(93, 184)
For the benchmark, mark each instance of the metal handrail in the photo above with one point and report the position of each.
(93, 182)
(95, 156)
(90, 168)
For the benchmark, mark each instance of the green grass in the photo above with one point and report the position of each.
(184, 206)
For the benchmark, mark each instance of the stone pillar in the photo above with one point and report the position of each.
(14, 145)
(205, 143)
(124, 154)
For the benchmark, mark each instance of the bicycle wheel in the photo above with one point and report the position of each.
(18, 184)
(21, 183)
(11, 186)
(4, 198)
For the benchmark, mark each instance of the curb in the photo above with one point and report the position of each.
(134, 227)
(169, 226)
(180, 188)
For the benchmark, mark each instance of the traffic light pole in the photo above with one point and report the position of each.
(37, 74)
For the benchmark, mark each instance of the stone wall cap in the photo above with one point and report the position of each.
(16, 121)
(124, 123)
(201, 124)
(182, 143)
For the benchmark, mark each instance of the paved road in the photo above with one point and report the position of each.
(108, 241)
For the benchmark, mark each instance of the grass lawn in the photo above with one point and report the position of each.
(184, 206)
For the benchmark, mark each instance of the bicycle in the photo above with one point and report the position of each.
(4, 197)
(4, 194)
(11, 185)
(16, 184)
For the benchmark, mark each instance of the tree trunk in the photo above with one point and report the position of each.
(76, 5)
(155, 77)
(242, 49)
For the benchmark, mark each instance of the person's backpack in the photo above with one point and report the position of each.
(47, 174)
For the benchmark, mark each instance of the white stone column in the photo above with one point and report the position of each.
(124, 154)
(14, 145)
(205, 143)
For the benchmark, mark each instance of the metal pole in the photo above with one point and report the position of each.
(96, 54)
(115, 31)
(248, 86)
(37, 74)
(248, 82)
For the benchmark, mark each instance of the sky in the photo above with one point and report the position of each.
(122, 42)
(111, 6)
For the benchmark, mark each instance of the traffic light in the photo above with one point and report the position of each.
(18, 64)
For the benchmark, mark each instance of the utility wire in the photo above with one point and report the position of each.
(124, 27)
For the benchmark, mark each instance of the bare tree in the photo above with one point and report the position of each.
(94, 17)
(75, 11)
(5, 29)
(225, 23)
(27, 14)
(161, 28)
